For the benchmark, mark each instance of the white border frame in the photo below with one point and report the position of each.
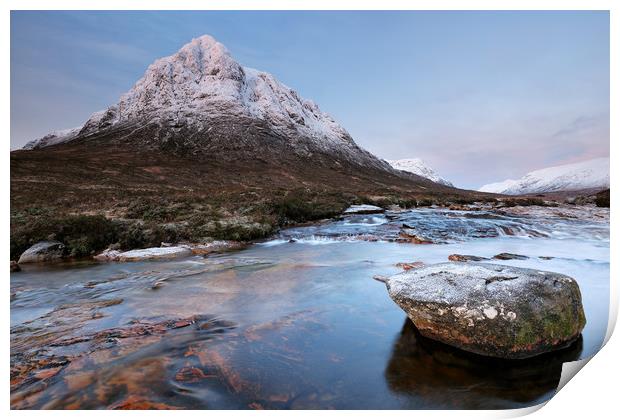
(592, 394)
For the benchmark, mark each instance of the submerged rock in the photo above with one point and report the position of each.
(45, 251)
(465, 258)
(364, 209)
(409, 265)
(509, 256)
(411, 236)
(215, 246)
(489, 309)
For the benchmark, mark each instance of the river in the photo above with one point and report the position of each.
(295, 321)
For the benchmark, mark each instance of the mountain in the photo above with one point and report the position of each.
(418, 167)
(199, 98)
(588, 174)
(199, 148)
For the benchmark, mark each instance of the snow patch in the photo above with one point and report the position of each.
(418, 167)
(55, 137)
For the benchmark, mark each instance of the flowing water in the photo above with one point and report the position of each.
(293, 322)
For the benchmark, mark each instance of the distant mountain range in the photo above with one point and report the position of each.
(588, 174)
(418, 167)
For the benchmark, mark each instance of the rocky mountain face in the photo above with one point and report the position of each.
(588, 174)
(201, 100)
(418, 167)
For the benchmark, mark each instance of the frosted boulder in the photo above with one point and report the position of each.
(45, 251)
(145, 254)
(492, 310)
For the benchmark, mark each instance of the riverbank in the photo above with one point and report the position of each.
(145, 224)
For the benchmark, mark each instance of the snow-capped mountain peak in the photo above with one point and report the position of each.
(202, 86)
(593, 173)
(418, 167)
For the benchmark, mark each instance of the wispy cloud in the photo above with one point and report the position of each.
(581, 124)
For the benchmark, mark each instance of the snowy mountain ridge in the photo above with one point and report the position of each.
(202, 86)
(593, 173)
(55, 137)
(418, 167)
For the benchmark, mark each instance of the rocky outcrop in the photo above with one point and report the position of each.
(46, 251)
(491, 310)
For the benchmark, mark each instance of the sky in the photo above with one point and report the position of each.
(480, 96)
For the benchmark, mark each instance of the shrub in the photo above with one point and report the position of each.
(296, 208)
(82, 235)
(602, 198)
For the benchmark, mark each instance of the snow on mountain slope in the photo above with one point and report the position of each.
(55, 137)
(592, 173)
(202, 86)
(418, 167)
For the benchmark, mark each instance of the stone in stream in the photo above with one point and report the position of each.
(492, 310)
(144, 254)
(45, 251)
(465, 258)
(411, 236)
(409, 265)
(364, 209)
(14, 266)
(509, 256)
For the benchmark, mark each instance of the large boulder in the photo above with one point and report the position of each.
(45, 251)
(489, 309)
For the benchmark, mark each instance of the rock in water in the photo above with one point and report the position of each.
(509, 256)
(465, 258)
(364, 209)
(489, 309)
(45, 251)
(144, 254)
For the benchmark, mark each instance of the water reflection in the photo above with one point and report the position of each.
(431, 374)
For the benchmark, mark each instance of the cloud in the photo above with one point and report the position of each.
(579, 125)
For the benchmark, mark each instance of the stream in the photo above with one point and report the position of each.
(295, 321)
